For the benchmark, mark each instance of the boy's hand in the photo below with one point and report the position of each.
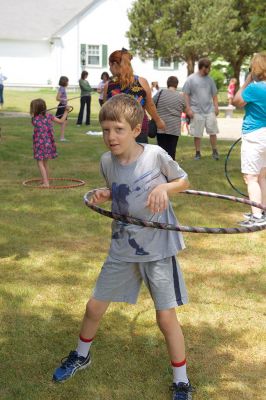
(158, 199)
(100, 196)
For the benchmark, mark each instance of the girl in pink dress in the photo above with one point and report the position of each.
(231, 90)
(43, 136)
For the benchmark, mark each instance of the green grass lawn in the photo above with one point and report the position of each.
(51, 251)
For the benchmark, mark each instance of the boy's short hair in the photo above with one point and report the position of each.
(122, 106)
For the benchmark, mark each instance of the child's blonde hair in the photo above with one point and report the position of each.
(37, 106)
(122, 106)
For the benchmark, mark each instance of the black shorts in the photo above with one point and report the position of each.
(60, 110)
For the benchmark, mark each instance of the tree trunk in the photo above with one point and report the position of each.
(190, 65)
(236, 65)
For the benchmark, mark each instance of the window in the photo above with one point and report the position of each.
(164, 63)
(93, 55)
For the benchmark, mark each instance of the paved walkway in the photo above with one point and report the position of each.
(230, 128)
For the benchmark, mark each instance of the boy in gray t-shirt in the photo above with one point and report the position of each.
(139, 178)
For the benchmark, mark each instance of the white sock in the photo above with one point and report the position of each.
(83, 346)
(179, 372)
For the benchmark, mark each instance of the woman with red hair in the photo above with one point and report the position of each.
(123, 80)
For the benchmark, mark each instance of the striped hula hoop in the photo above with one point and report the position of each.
(180, 228)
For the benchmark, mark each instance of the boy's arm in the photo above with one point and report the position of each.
(159, 196)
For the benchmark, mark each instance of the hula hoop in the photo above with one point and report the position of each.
(55, 108)
(226, 170)
(181, 228)
(78, 183)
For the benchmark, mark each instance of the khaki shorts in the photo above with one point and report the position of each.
(201, 121)
(253, 152)
(120, 281)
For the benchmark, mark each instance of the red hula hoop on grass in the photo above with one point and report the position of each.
(181, 228)
(78, 183)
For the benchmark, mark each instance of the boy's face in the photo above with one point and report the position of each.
(119, 137)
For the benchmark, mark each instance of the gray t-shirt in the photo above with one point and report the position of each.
(170, 106)
(201, 90)
(131, 185)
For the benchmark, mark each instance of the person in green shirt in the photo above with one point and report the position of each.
(85, 98)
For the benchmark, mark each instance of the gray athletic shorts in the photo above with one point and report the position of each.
(201, 121)
(120, 281)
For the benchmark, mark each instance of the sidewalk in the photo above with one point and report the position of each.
(230, 128)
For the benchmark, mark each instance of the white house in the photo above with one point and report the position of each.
(42, 40)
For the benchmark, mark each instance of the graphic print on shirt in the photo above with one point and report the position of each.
(124, 198)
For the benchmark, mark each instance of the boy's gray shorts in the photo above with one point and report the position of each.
(120, 281)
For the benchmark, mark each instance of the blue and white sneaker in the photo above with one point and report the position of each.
(70, 365)
(182, 391)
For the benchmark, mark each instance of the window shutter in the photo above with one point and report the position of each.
(176, 64)
(104, 55)
(155, 63)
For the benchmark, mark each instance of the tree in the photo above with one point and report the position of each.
(237, 32)
(164, 29)
(185, 30)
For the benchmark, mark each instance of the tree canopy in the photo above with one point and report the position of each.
(185, 30)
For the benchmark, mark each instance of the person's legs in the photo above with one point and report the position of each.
(262, 183)
(254, 191)
(43, 172)
(62, 130)
(168, 143)
(45, 163)
(88, 106)
(213, 141)
(118, 282)
(170, 328)
(81, 110)
(212, 130)
(197, 141)
(95, 310)
(196, 130)
(80, 358)
(1, 95)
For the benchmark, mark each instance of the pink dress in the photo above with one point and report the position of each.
(231, 90)
(43, 137)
